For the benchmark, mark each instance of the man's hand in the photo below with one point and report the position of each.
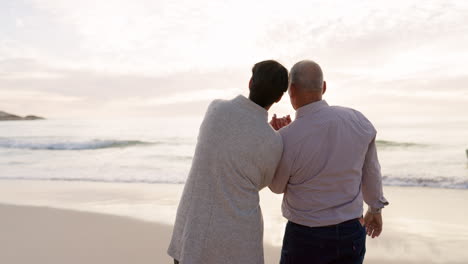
(373, 224)
(278, 123)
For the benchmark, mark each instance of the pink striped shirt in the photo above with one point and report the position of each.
(329, 166)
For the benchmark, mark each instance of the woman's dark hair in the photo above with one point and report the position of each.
(269, 82)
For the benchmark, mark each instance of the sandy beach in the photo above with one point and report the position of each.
(78, 222)
(46, 235)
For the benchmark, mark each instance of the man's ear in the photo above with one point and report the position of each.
(250, 84)
(292, 90)
(324, 87)
(279, 99)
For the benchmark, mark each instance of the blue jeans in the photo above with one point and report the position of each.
(344, 243)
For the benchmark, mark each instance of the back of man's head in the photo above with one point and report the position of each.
(269, 82)
(307, 76)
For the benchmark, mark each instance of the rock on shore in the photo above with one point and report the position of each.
(4, 116)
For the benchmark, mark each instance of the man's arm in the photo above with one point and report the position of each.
(372, 191)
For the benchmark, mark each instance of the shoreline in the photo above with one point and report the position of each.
(64, 180)
(421, 225)
(34, 234)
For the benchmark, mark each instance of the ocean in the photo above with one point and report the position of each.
(160, 151)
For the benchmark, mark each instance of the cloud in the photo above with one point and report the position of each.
(43, 97)
(25, 68)
(28, 83)
(158, 36)
(161, 37)
(404, 37)
(147, 55)
(26, 102)
(191, 103)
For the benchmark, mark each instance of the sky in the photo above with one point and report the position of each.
(123, 58)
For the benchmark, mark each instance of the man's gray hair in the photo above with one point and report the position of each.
(307, 75)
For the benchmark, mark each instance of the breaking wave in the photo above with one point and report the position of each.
(387, 144)
(70, 145)
(439, 182)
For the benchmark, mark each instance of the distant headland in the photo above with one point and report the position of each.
(4, 116)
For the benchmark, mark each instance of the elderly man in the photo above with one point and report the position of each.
(219, 218)
(328, 168)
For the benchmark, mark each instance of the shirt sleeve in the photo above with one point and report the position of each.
(273, 161)
(283, 172)
(372, 189)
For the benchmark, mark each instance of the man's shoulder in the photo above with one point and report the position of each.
(352, 114)
(344, 109)
(347, 110)
(289, 134)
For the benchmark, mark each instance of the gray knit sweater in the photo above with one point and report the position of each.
(219, 219)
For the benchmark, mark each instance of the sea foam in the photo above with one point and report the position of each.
(69, 145)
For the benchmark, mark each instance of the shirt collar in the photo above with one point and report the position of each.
(249, 104)
(311, 108)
